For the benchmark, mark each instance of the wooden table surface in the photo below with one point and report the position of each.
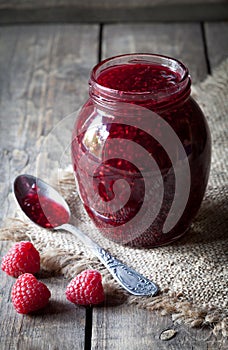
(44, 69)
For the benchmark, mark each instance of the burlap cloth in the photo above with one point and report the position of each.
(191, 273)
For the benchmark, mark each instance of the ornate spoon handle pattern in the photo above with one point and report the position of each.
(128, 278)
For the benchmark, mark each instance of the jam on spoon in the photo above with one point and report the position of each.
(41, 203)
(46, 207)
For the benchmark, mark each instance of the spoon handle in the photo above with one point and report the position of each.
(128, 278)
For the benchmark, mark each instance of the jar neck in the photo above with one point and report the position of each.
(163, 96)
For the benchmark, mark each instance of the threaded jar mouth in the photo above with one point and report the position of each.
(158, 95)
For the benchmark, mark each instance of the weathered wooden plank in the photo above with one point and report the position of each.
(58, 326)
(125, 327)
(217, 42)
(55, 60)
(44, 72)
(111, 11)
(180, 40)
(99, 3)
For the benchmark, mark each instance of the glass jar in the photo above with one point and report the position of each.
(141, 150)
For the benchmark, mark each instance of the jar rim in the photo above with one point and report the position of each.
(162, 60)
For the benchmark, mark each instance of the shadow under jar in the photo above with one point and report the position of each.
(141, 150)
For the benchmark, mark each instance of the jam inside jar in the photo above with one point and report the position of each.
(141, 150)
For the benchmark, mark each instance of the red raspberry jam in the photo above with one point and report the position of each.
(35, 200)
(43, 211)
(138, 77)
(141, 150)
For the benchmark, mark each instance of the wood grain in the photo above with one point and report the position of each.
(58, 326)
(31, 11)
(183, 41)
(126, 327)
(217, 42)
(44, 72)
(132, 328)
(99, 3)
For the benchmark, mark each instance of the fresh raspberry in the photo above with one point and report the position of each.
(86, 288)
(29, 294)
(21, 258)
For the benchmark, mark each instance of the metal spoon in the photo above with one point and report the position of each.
(46, 207)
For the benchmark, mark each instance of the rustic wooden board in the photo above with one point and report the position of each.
(181, 40)
(44, 72)
(111, 11)
(61, 325)
(217, 42)
(126, 327)
(98, 3)
(132, 328)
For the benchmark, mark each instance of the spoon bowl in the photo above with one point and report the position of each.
(41, 202)
(47, 208)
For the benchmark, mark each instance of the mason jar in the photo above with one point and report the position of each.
(141, 150)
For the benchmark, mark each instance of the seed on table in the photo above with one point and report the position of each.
(168, 334)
